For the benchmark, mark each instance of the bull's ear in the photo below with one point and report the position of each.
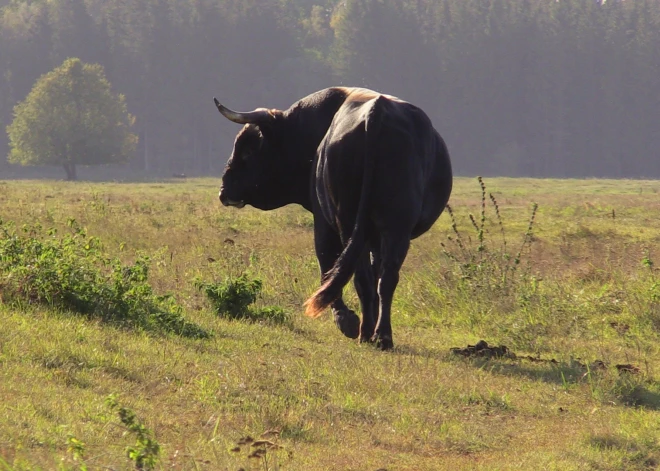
(269, 127)
(260, 116)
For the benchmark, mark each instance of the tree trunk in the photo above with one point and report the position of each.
(70, 170)
(147, 157)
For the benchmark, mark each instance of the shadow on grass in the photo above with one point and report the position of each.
(641, 396)
(422, 352)
(555, 373)
(627, 389)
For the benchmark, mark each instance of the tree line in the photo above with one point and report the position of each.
(561, 88)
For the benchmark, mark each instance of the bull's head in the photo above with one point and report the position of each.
(251, 174)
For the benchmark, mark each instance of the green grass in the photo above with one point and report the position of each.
(583, 292)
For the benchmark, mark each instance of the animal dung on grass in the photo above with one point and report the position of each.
(483, 350)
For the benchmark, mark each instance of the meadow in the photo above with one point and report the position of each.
(574, 295)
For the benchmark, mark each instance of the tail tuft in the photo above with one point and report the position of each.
(320, 300)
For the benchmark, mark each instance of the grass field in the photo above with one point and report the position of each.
(585, 294)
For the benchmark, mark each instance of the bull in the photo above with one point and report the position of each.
(372, 170)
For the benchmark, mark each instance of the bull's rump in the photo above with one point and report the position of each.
(401, 141)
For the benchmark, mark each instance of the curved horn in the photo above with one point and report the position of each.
(256, 116)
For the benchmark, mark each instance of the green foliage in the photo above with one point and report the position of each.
(233, 298)
(145, 453)
(77, 450)
(72, 274)
(71, 117)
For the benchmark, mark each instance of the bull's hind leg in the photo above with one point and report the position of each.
(328, 248)
(365, 286)
(394, 248)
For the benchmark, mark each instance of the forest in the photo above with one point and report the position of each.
(538, 88)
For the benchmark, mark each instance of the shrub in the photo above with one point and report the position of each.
(232, 298)
(72, 274)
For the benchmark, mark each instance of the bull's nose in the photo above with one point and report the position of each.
(223, 198)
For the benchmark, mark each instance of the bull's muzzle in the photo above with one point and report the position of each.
(229, 202)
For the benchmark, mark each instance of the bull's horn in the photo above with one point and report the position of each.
(256, 116)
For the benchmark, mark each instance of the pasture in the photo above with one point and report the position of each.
(584, 298)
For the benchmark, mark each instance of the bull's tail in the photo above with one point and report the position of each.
(345, 266)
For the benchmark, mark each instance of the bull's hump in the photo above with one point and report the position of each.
(362, 95)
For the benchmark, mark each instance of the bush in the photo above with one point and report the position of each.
(71, 273)
(232, 298)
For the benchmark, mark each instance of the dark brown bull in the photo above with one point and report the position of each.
(372, 170)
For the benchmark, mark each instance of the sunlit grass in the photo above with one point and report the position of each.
(586, 296)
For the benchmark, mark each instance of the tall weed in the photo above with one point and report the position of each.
(145, 454)
(487, 263)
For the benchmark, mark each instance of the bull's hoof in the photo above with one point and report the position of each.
(348, 322)
(366, 339)
(366, 332)
(382, 342)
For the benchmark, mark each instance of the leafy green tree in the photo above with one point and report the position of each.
(71, 117)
